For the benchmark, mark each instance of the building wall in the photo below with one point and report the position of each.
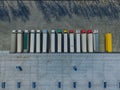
(102, 15)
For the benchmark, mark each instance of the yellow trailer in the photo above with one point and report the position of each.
(108, 42)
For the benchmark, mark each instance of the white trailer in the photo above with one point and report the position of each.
(78, 43)
(71, 40)
(38, 41)
(32, 41)
(96, 40)
(84, 41)
(90, 40)
(59, 40)
(19, 41)
(13, 42)
(65, 36)
(52, 43)
(44, 41)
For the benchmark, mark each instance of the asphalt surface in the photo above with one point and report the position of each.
(41, 15)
